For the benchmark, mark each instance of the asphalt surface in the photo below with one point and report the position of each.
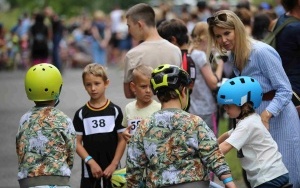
(14, 103)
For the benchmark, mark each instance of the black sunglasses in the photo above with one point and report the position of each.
(221, 17)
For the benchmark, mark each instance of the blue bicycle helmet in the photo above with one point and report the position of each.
(240, 90)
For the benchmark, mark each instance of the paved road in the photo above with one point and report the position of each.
(14, 103)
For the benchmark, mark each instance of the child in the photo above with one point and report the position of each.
(144, 105)
(45, 141)
(258, 151)
(206, 79)
(177, 148)
(176, 32)
(99, 130)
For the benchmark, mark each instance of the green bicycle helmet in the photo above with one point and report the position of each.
(43, 82)
(170, 76)
(118, 178)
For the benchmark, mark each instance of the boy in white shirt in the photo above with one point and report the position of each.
(257, 150)
(144, 105)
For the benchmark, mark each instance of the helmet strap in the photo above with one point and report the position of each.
(56, 102)
(180, 98)
(187, 98)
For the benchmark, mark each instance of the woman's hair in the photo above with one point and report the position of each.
(246, 110)
(142, 69)
(242, 40)
(142, 11)
(96, 70)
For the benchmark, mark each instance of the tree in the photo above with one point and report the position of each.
(71, 7)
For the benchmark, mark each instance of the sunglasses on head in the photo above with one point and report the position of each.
(221, 17)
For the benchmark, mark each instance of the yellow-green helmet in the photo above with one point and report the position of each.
(170, 76)
(118, 178)
(43, 82)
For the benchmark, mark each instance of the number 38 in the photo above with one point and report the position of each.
(100, 123)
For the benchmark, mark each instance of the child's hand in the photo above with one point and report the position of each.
(109, 170)
(265, 118)
(95, 168)
(126, 134)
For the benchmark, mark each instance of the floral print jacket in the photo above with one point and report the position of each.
(45, 143)
(174, 147)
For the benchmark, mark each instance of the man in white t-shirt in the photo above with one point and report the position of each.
(152, 50)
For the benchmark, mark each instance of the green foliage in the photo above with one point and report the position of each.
(71, 7)
(258, 2)
(9, 19)
(68, 8)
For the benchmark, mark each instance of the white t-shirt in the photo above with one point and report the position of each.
(134, 115)
(262, 161)
(202, 100)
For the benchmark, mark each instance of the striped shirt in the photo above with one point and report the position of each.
(264, 64)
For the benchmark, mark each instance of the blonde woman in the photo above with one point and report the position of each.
(260, 61)
(202, 101)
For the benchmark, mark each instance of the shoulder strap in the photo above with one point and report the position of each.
(269, 39)
(287, 21)
(184, 62)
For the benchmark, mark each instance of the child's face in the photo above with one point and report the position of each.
(95, 86)
(232, 110)
(142, 89)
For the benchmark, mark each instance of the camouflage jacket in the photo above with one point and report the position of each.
(45, 143)
(174, 147)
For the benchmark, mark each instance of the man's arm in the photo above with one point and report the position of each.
(127, 91)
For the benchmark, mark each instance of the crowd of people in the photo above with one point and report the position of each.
(183, 59)
(91, 37)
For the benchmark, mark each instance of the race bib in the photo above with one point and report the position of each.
(135, 123)
(101, 124)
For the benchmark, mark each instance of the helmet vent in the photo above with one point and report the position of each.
(43, 69)
(232, 83)
(46, 89)
(242, 80)
(29, 89)
(34, 69)
(222, 96)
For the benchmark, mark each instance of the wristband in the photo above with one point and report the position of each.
(87, 159)
(227, 180)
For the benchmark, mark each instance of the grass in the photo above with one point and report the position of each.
(231, 158)
(9, 18)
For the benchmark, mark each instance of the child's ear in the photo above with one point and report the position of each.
(132, 86)
(184, 91)
(107, 82)
(173, 40)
